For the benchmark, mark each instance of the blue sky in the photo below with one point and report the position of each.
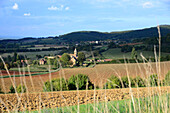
(36, 18)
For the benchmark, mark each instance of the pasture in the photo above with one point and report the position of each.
(117, 54)
(32, 55)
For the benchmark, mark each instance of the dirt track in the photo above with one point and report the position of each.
(97, 75)
(37, 101)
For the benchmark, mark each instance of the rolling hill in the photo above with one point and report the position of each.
(93, 36)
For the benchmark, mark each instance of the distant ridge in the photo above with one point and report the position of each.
(125, 35)
(95, 35)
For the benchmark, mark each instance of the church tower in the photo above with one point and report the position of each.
(75, 52)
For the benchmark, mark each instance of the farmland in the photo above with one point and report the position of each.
(117, 54)
(38, 101)
(97, 74)
(32, 55)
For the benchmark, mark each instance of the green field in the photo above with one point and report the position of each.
(32, 55)
(117, 54)
(34, 68)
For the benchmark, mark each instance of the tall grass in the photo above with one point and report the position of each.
(150, 103)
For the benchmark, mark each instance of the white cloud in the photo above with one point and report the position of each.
(27, 14)
(15, 7)
(147, 5)
(54, 8)
(67, 8)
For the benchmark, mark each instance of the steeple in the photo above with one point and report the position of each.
(75, 52)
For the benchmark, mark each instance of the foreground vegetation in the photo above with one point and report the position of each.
(150, 104)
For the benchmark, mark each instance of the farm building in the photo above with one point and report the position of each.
(42, 61)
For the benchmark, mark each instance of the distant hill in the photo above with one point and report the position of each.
(93, 36)
(125, 35)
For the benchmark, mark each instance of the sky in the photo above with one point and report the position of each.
(42, 18)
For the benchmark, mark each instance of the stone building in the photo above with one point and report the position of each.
(74, 57)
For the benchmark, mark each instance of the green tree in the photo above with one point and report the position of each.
(56, 63)
(125, 82)
(113, 82)
(35, 62)
(139, 82)
(18, 57)
(134, 53)
(15, 57)
(153, 80)
(18, 63)
(50, 61)
(81, 58)
(65, 58)
(79, 81)
(112, 45)
(56, 85)
(2, 66)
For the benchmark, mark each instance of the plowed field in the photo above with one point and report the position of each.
(97, 75)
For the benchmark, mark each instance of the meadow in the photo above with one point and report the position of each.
(32, 55)
(117, 54)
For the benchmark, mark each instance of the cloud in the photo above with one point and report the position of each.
(147, 5)
(54, 8)
(60, 8)
(67, 8)
(15, 7)
(27, 14)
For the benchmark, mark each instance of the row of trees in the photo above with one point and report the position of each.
(13, 61)
(125, 82)
(19, 89)
(82, 82)
(79, 81)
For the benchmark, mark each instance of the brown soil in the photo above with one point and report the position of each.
(98, 75)
(37, 101)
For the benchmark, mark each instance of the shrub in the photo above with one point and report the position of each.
(167, 79)
(21, 89)
(125, 82)
(81, 80)
(56, 85)
(153, 80)
(113, 82)
(139, 82)
(12, 89)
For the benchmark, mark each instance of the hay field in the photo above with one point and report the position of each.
(97, 75)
